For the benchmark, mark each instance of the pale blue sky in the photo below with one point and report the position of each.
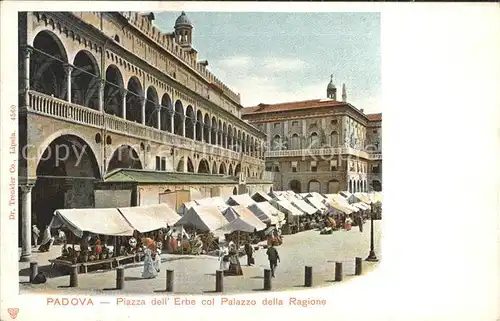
(279, 57)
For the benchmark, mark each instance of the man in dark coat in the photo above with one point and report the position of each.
(274, 258)
(249, 253)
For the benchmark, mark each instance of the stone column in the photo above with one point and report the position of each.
(210, 135)
(158, 115)
(102, 83)
(172, 116)
(26, 222)
(68, 69)
(143, 110)
(27, 54)
(183, 119)
(123, 92)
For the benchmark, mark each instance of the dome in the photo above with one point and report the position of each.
(330, 84)
(183, 20)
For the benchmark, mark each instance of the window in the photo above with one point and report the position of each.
(333, 122)
(314, 140)
(295, 123)
(314, 166)
(117, 38)
(158, 163)
(276, 125)
(163, 164)
(294, 167)
(333, 165)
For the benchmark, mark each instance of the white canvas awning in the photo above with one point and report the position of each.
(317, 203)
(213, 201)
(205, 218)
(363, 197)
(338, 198)
(263, 195)
(340, 207)
(104, 221)
(185, 207)
(242, 199)
(361, 205)
(149, 217)
(288, 207)
(267, 213)
(304, 206)
(241, 219)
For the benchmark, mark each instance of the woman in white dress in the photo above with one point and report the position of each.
(150, 270)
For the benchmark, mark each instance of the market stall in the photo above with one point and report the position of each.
(82, 224)
(185, 207)
(242, 199)
(200, 222)
(149, 217)
(292, 215)
(261, 197)
(218, 201)
(303, 206)
(267, 213)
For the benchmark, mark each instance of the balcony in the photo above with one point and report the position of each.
(324, 152)
(49, 106)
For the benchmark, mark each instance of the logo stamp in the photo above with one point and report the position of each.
(13, 312)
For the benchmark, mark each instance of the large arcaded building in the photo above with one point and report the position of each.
(324, 145)
(109, 101)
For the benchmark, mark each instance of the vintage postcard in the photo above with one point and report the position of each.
(187, 157)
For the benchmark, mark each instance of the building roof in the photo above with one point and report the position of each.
(374, 117)
(183, 20)
(250, 180)
(295, 105)
(156, 177)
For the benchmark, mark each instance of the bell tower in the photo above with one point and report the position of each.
(331, 91)
(183, 31)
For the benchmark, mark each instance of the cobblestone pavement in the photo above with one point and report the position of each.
(196, 274)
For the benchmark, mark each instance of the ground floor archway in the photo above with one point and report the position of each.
(66, 174)
(295, 186)
(333, 186)
(314, 186)
(377, 186)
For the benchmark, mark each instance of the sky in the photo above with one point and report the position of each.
(281, 57)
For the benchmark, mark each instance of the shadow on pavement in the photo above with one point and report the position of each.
(46, 269)
(133, 278)
(257, 277)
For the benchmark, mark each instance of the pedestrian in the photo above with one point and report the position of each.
(35, 234)
(274, 258)
(348, 222)
(249, 253)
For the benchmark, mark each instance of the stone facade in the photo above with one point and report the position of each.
(321, 145)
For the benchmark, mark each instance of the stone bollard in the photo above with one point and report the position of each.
(170, 281)
(219, 281)
(359, 266)
(33, 271)
(338, 271)
(73, 277)
(308, 276)
(267, 280)
(120, 278)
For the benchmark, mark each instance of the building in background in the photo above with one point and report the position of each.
(100, 92)
(323, 145)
